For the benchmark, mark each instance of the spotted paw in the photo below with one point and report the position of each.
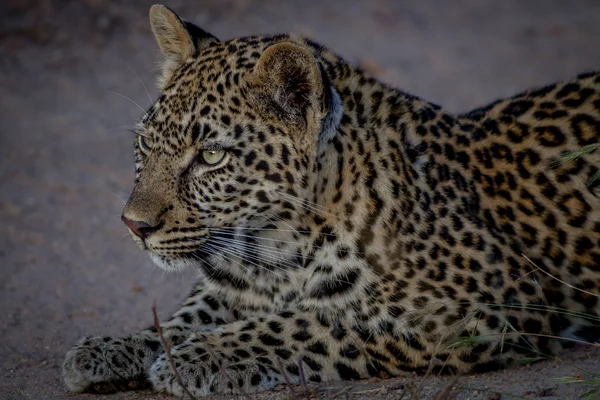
(104, 364)
(202, 375)
(193, 366)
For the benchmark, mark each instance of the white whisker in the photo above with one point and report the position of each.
(268, 229)
(119, 197)
(268, 254)
(256, 237)
(239, 252)
(223, 251)
(307, 205)
(142, 82)
(265, 248)
(127, 98)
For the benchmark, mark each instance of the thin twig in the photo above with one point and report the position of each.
(167, 349)
(553, 277)
(445, 393)
(285, 378)
(303, 379)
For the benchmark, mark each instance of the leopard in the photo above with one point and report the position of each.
(342, 229)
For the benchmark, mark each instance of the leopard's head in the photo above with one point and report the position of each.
(230, 143)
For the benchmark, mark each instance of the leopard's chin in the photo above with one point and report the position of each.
(172, 264)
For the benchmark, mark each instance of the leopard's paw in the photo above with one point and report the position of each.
(104, 364)
(202, 375)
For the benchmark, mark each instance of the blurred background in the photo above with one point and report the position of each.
(75, 75)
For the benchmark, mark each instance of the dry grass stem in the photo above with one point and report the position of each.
(167, 348)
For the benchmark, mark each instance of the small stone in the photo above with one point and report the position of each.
(136, 289)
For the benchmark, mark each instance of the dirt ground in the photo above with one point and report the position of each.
(71, 76)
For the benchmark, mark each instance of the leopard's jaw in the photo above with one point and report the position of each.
(172, 264)
(395, 231)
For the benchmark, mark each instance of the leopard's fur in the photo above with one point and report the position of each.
(351, 226)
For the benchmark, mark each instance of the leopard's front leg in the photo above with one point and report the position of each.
(257, 354)
(119, 363)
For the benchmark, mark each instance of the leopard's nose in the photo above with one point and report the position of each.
(139, 228)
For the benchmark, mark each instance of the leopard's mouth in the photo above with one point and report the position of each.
(201, 245)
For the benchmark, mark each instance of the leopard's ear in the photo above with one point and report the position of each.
(178, 40)
(289, 84)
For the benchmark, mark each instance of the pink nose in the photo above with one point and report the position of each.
(139, 228)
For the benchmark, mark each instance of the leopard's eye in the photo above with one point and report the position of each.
(146, 142)
(213, 157)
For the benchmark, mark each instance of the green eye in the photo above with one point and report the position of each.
(146, 142)
(213, 157)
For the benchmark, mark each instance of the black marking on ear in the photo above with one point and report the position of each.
(200, 37)
(327, 88)
(334, 107)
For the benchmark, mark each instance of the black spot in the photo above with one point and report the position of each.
(338, 332)
(186, 317)
(527, 288)
(312, 364)
(286, 314)
(276, 177)
(413, 342)
(474, 265)
(258, 350)
(269, 340)
(285, 155)
(262, 196)
(262, 166)
(395, 311)
(195, 132)
(204, 317)
(152, 344)
(249, 159)
(376, 369)
(346, 372)
(245, 337)
(397, 353)
(255, 379)
(350, 351)
(293, 369)
(283, 353)
(275, 326)
(250, 326)
(317, 348)
(567, 90)
(241, 353)
(302, 336)
(336, 285)
(518, 107)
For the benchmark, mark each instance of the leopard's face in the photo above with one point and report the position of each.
(214, 155)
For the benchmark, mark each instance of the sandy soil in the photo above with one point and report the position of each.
(71, 76)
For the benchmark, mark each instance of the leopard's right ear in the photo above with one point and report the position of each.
(178, 40)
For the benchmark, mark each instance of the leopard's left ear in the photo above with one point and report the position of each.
(178, 40)
(288, 84)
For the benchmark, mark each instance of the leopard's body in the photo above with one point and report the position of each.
(349, 225)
